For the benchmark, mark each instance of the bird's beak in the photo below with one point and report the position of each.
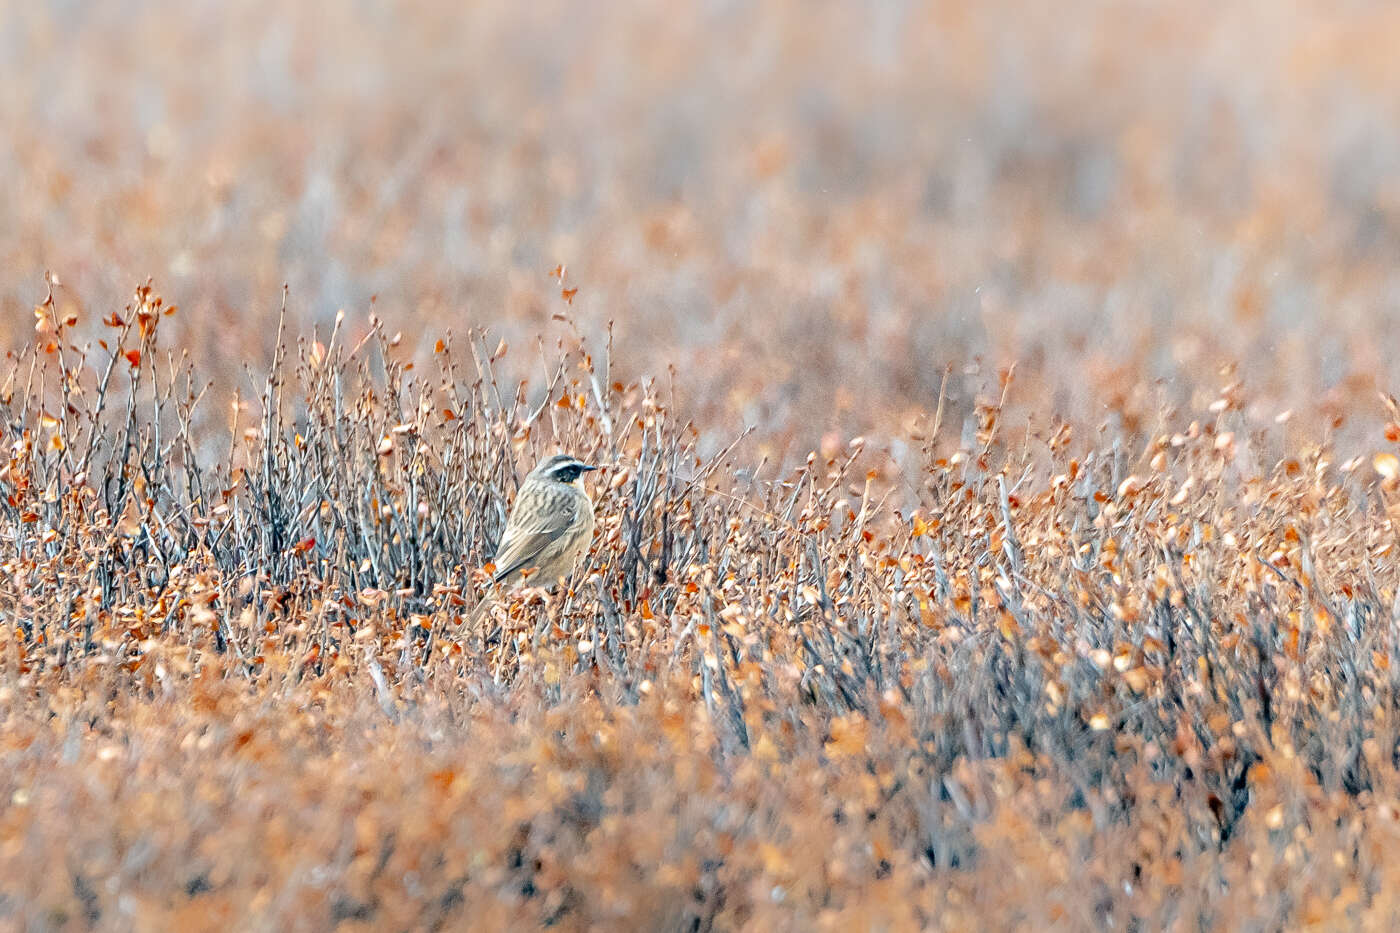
(586, 468)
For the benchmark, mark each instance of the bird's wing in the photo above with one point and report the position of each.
(540, 517)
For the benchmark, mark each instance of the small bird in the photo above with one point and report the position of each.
(551, 525)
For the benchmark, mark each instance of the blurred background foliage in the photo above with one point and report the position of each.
(803, 206)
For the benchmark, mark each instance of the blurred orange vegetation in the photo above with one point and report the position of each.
(1000, 475)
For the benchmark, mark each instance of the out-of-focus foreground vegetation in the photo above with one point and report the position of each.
(1081, 612)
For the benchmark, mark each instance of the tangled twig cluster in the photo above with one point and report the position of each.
(1017, 685)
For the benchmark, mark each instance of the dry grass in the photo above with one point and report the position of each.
(1082, 611)
(1142, 689)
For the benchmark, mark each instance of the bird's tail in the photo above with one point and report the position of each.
(488, 599)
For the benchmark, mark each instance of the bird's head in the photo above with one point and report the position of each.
(561, 468)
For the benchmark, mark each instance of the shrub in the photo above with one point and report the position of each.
(254, 675)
